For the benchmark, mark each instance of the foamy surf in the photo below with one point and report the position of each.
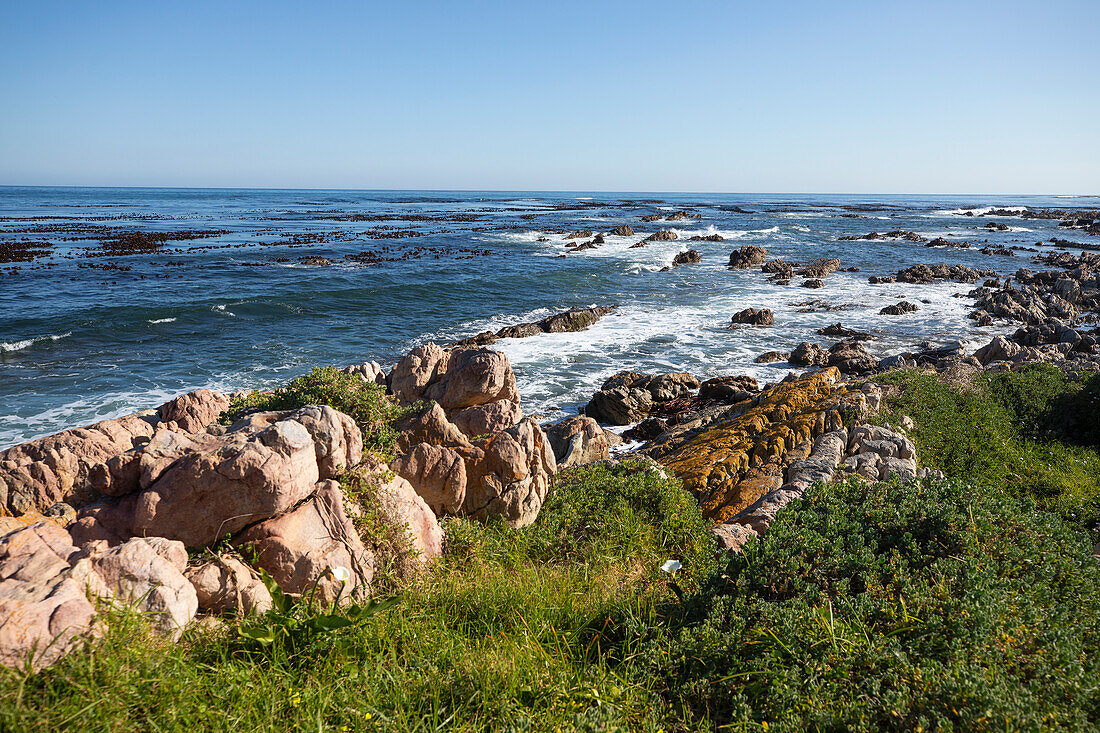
(9, 346)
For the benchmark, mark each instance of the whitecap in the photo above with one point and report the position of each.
(161, 320)
(20, 345)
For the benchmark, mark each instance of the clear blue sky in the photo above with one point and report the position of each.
(934, 97)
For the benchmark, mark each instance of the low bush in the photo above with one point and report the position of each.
(365, 402)
(1011, 430)
(894, 606)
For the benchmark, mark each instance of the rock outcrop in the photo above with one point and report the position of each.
(577, 441)
(753, 317)
(731, 459)
(475, 387)
(628, 397)
(748, 256)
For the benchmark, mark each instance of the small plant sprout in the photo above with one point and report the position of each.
(671, 566)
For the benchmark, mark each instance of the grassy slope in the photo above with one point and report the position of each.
(950, 605)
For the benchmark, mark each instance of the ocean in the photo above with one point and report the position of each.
(114, 300)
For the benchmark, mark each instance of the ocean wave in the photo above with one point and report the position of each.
(161, 320)
(980, 211)
(8, 346)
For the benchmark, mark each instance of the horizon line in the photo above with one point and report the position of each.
(546, 190)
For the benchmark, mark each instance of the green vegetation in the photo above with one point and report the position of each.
(1032, 432)
(943, 605)
(364, 402)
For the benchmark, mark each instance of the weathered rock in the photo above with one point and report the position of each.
(748, 256)
(226, 585)
(488, 418)
(44, 608)
(473, 377)
(807, 354)
(619, 405)
(753, 317)
(734, 460)
(899, 309)
(574, 319)
(728, 389)
(999, 349)
(429, 425)
(687, 257)
(770, 357)
(850, 357)
(193, 411)
(147, 573)
(820, 268)
(576, 441)
(437, 474)
(839, 331)
(813, 283)
(245, 478)
(623, 230)
(664, 235)
(420, 367)
(510, 474)
(370, 371)
(69, 466)
(303, 547)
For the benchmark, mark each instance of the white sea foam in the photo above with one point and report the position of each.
(980, 211)
(161, 320)
(25, 343)
(559, 372)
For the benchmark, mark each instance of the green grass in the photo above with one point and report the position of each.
(1032, 432)
(941, 605)
(364, 402)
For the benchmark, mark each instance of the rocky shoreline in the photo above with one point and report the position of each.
(109, 511)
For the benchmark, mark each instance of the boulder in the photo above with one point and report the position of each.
(728, 389)
(999, 349)
(820, 268)
(850, 357)
(302, 548)
(576, 441)
(623, 230)
(192, 412)
(473, 377)
(404, 507)
(688, 257)
(44, 607)
(748, 256)
(69, 466)
(664, 235)
(574, 319)
(420, 367)
(899, 309)
(770, 357)
(488, 418)
(807, 354)
(246, 477)
(753, 317)
(371, 372)
(225, 585)
(437, 474)
(509, 474)
(619, 405)
(147, 573)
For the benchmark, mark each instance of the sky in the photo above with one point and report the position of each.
(795, 96)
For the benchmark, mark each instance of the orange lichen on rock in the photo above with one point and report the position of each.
(735, 462)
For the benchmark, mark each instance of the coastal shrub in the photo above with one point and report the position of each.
(894, 606)
(396, 560)
(1008, 431)
(599, 516)
(365, 402)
